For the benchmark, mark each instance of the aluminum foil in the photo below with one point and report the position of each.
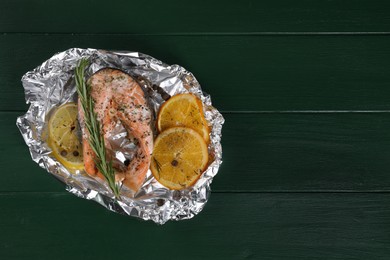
(52, 84)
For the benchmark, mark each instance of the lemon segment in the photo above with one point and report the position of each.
(71, 160)
(63, 140)
(183, 110)
(180, 156)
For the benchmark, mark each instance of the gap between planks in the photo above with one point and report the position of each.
(206, 33)
(306, 112)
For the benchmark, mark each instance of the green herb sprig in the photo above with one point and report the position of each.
(96, 140)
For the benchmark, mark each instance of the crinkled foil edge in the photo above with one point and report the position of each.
(52, 84)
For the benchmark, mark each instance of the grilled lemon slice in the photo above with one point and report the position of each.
(183, 110)
(63, 140)
(179, 157)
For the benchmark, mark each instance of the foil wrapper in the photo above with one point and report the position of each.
(52, 84)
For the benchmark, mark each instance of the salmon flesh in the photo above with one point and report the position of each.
(120, 100)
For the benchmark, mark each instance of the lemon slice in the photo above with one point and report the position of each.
(179, 157)
(63, 140)
(183, 110)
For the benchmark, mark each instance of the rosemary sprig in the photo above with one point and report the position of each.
(96, 140)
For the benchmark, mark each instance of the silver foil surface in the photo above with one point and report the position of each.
(52, 84)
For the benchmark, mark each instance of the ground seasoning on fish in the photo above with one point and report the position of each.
(119, 98)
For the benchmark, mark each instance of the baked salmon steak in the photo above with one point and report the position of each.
(119, 100)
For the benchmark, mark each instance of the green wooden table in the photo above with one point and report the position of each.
(304, 87)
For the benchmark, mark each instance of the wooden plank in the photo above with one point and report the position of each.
(19, 171)
(305, 152)
(254, 73)
(232, 226)
(261, 152)
(190, 16)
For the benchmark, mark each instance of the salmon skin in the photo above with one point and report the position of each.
(119, 99)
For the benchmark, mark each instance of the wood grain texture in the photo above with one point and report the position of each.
(121, 16)
(261, 152)
(304, 86)
(254, 73)
(231, 226)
